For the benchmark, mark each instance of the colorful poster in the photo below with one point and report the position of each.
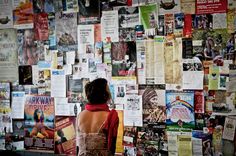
(8, 55)
(148, 15)
(180, 110)
(199, 102)
(65, 135)
(210, 7)
(6, 16)
(39, 122)
(66, 31)
(231, 20)
(23, 14)
(169, 24)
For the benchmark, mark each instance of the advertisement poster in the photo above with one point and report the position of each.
(23, 14)
(210, 7)
(39, 122)
(65, 135)
(180, 110)
(8, 55)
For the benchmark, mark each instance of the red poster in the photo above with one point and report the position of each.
(41, 26)
(187, 32)
(198, 102)
(211, 6)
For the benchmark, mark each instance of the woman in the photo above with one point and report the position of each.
(97, 125)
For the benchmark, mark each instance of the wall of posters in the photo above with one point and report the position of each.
(170, 67)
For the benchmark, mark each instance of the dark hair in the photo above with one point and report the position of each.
(97, 91)
(36, 117)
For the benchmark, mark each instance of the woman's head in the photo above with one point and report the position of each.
(97, 91)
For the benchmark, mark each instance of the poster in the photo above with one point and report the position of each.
(229, 128)
(204, 7)
(169, 6)
(173, 65)
(123, 59)
(39, 122)
(133, 111)
(65, 135)
(89, 12)
(8, 55)
(66, 31)
(58, 83)
(192, 74)
(17, 105)
(149, 18)
(188, 6)
(154, 108)
(6, 16)
(128, 16)
(41, 30)
(109, 26)
(86, 39)
(184, 145)
(180, 110)
(23, 14)
(28, 51)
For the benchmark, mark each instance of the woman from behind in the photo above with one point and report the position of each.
(97, 125)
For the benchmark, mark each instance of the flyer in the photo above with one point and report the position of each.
(65, 135)
(204, 7)
(109, 26)
(39, 122)
(180, 110)
(6, 16)
(8, 55)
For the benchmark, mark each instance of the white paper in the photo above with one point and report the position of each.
(192, 74)
(85, 38)
(70, 57)
(63, 108)
(58, 83)
(109, 26)
(197, 146)
(133, 111)
(17, 105)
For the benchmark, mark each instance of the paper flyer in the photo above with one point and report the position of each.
(133, 111)
(187, 6)
(109, 26)
(6, 16)
(86, 39)
(8, 55)
(204, 7)
(229, 128)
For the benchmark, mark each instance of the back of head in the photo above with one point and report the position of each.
(97, 91)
